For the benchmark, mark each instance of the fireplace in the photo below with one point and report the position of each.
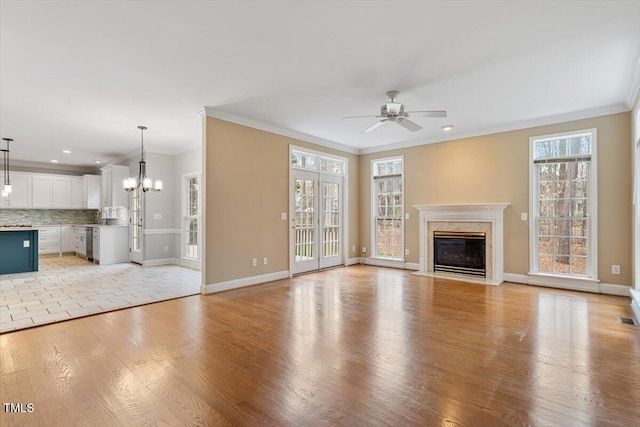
(484, 218)
(459, 253)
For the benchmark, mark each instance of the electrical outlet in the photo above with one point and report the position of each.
(353, 248)
(406, 251)
(364, 249)
(264, 260)
(615, 269)
(523, 216)
(254, 262)
(166, 248)
(157, 216)
(283, 216)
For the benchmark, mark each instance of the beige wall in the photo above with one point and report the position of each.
(494, 169)
(246, 174)
(246, 178)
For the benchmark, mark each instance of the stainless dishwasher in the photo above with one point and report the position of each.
(84, 241)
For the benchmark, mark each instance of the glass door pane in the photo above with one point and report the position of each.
(305, 221)
(331, 221)
(135, 251)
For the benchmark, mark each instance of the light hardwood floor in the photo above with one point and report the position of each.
(352, 346)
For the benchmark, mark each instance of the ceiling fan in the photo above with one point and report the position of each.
(393, 111)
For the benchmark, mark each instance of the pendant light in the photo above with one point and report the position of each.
(142, 182)
(6, 187)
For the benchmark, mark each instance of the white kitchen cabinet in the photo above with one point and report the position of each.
(78, 190)
(92, 190)
(67, 243)
(113, 193)
(50, 192)
(48, 240)
(86, 192)
(110, 244)
(20, 196)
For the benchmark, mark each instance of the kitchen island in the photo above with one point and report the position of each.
(18, 250)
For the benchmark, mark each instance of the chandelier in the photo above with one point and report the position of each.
(142, 182)
(6, 187)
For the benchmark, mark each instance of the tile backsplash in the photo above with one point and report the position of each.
(47, 216)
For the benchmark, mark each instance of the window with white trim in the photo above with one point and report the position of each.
(387, 195)
(564, 194)
(191, 225)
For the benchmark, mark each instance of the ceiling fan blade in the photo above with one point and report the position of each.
(361, 117)
(408, 124)
(435, 113)
(374, 126)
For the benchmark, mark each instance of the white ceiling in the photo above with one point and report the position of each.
(82, 75)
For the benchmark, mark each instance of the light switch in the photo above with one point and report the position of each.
(283, 216)
(523, 216)
(157, 216)
(26, 243)
(406, 215)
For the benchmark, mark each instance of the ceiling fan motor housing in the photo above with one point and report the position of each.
(392, 109)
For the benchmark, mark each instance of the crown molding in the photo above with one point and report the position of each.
(255, 124)
(541, 121)
(635, 87)
(54, 166)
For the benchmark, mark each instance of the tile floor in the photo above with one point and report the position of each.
(70, 287)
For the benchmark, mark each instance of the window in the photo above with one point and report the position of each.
(563, 230)
(316, 162)
(388, 208)
(191, 228)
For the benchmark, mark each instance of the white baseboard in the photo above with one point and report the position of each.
(189, 263)
(602, 288)
(611, 289)
(411, 266)
(379, 262)
(245, 281)
(516, 278)
(635, 303)
(353, 261)
(161, 261)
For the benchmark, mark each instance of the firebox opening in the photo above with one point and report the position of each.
(459, 253)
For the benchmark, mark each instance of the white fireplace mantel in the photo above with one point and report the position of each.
(481, 212)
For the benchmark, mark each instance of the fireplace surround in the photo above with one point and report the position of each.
(484, 218)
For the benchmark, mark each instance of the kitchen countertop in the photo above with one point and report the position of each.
(35, 227)
(17, 228)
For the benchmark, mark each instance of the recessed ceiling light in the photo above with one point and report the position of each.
(54, 161)
(98, 161)
(66, 151)
(447, 127)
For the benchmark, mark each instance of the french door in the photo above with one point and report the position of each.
(316, 221)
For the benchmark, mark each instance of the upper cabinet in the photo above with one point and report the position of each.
(113, 193)
(20, 196)
(42, 191)
(87, 192)
(52, 192)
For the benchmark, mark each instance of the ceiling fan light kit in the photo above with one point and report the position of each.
(393, 111)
